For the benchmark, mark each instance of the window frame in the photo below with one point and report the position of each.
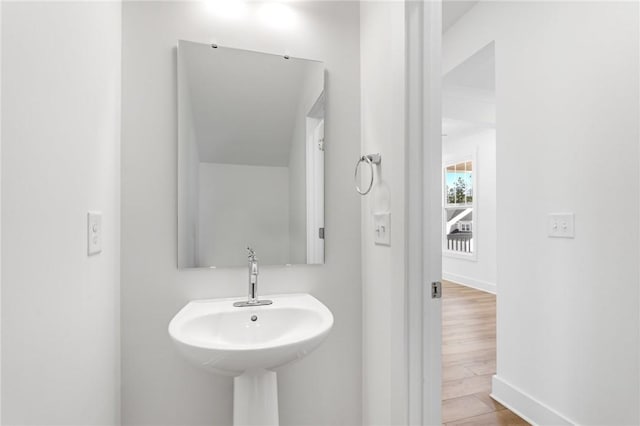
(447, 162)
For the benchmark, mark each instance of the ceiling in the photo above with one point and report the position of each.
(457, 129)
(244, 104)
(468, 95)
(476, 72)
(452, 10)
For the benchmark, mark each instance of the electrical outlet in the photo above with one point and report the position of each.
(94, 233)
(561, 225)
(382, 228)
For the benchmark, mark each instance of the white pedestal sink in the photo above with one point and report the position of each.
(249, 343)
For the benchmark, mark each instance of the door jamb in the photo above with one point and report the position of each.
(423, 176)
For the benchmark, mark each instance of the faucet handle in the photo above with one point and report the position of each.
(252, 253)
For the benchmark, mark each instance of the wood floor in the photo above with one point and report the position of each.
(469, 359)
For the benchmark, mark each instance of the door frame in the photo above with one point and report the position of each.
(314, 160)
(423, 175)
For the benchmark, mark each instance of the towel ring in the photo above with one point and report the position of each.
(370, 159)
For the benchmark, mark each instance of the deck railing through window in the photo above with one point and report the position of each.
(460, 242)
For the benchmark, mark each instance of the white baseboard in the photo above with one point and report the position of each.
(530, 409)
(470, 282)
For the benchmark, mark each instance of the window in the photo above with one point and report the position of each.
(459, 206)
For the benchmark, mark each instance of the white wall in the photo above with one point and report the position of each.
(61, 158)
(567, 112)
(159, 387)
(480, 272)
(382, 35)
(0, 212)
(227, 226)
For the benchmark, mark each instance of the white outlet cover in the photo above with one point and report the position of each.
(94, 233)
(382, 229)
(561, 225)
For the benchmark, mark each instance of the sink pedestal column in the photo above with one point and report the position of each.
(255, 399)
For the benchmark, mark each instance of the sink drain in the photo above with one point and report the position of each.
(254, 318)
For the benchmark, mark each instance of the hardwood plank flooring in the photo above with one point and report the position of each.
(469, 359)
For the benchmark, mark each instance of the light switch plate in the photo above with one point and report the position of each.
(382, 229)
(561, 225)
(94, 233)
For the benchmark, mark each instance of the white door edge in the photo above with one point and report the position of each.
(424, 250)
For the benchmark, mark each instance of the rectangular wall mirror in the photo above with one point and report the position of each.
(250, 157)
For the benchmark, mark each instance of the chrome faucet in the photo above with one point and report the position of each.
(253, 276)
(253, 283)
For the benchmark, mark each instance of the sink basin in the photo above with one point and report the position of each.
(249, 343)
(229, 340)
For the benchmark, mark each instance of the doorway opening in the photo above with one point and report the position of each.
(469, 238)
(315, 181)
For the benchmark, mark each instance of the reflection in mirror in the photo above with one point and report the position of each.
(250, 157)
